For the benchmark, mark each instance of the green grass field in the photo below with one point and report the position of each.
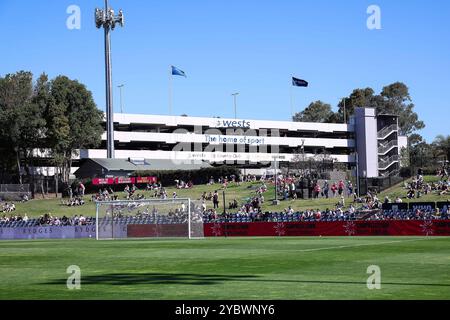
(251, 268)
(242, 193)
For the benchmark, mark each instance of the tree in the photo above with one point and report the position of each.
(397, 101)
(21, 119)
(394, 99)
(442, 146)
(316, 112)
(404, 157)
(358, 98)
(74, 122)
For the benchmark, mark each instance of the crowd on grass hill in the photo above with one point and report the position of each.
(368, 207)
(418, 187)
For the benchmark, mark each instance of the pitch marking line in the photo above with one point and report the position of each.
(357, 245)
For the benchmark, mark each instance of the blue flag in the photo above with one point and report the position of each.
(178, 72)
(299, 82)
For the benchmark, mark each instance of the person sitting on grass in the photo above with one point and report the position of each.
(357, 199)
(341, 203)
(444, 189)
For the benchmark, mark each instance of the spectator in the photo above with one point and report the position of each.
(340, 187)
(334, 189)
(70, 192)
(325, 189)
(350, 188)
(82, 189)
(215, 199)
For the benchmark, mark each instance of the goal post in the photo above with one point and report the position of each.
(148, 218)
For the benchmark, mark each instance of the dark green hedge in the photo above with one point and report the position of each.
(405, 172)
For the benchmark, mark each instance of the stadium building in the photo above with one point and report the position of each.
(369, 142)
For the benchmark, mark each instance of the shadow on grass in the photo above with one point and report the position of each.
(123, 279)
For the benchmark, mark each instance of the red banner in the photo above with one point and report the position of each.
(146, 180)
(157, 230)
(101, 181)
(124, 180)
(330, 229)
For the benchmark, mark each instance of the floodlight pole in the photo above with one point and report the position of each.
(105, 18)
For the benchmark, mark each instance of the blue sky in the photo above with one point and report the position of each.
(246, 46)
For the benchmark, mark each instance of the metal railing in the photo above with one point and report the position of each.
(386, 162)
(382, 149)
(382, 134)
(389, 174)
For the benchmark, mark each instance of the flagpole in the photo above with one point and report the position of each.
(292, 100)
(170, 90)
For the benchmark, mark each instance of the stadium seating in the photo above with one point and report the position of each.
(246, 218)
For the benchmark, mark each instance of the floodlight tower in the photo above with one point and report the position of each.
(107, 19)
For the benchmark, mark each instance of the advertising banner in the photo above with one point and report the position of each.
(443, 206)
(124, 180)
(157, 230)
(146, 180)
(422, 205)
(102, 181)
(395, 206)
(252, 229)
(331, 229)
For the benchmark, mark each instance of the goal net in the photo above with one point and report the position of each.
(149, 218)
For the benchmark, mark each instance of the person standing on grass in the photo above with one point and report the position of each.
(316, 190)
(333, 189)
(350, 188)
(215, 199)
(325, 189)
(340, 187)
(82, 189)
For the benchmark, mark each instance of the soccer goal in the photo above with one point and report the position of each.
(148, 218)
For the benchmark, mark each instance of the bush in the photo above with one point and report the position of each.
(405, 172)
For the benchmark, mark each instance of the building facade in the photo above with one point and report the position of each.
(368, 143)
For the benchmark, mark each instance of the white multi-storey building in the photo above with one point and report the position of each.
(369, 141)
